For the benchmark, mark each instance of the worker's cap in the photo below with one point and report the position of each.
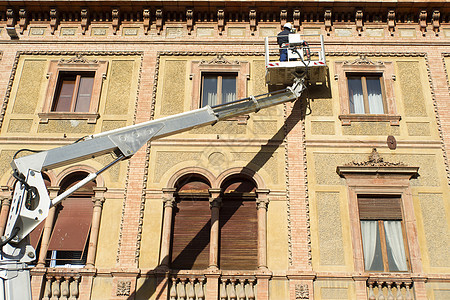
(288, 25)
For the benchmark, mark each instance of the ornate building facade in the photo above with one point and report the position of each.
(343, 194)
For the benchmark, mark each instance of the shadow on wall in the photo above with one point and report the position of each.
(299, 110)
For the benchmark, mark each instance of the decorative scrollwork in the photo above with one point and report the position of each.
(54, 19)
(363, 60)
(327, 18)
(220, 20)
(219, 60)
(84, 20)
(78, 59)
(301, 291)
(123, 288)
(375, 160)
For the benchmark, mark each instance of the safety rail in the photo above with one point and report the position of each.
(305, 56)
(315, 43)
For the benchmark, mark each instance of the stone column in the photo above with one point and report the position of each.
(6, 198)
(215, 202)
(261, 204)
(169, 203)
(48, 226)
(98, 201)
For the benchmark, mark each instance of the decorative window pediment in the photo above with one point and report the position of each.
(362, 61)
(219, 60)
(375, 164)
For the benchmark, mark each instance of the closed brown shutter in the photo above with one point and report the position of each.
(65, 93)
(35, 235)
(379, 208)
(84, 93)
(72, 225)
(190, 237)
(238, 235)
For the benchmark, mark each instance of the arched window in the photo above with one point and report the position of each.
(191, 224)
(69, 239)
(238, 248)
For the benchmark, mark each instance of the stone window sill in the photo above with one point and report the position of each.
(90, 117)
(346, 120)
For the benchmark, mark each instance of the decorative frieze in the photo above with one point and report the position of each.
(252, 18)
(435, 21)
(84, 20)
(10, 17)
(359, 21)
(283, 16)
(375, 160)
(146, 20)
(296, 17)
(220, 20)
(327, 19)
(189, 20)
(23, 19)
(423, 22)
(54, 19)
(348, 23)
(123, 288)
(301, 291)
(115, 20)
(391, 21)
(159, 20)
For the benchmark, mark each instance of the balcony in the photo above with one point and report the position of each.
(385, 288)
(191, 285)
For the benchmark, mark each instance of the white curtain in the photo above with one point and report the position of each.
(369, 239)
(212, 98)
(394, 238)
(374, 95)
(356, 96)
(229, 97)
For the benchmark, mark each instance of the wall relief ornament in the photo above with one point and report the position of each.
(219, 60)
(375, 160)
(363, 60)
(123, 288)
(301, 291)
(78, 59)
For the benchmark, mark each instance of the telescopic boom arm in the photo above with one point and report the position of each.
(31, 201)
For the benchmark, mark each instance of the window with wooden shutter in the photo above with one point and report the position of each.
(383, 234)
(74, 92)
(238, 226)
(74, 89)
(191, 225)
(70, 234)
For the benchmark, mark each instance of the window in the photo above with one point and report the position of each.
(74, 88)
(218, 88)
(365, 94)
(194, 237)
(383, 234)
(191, 225)
(69, 239)
(74, 92)
(366, 91)
(218, 80)
(238, 226)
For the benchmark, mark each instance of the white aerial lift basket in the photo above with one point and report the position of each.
(305, 53)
